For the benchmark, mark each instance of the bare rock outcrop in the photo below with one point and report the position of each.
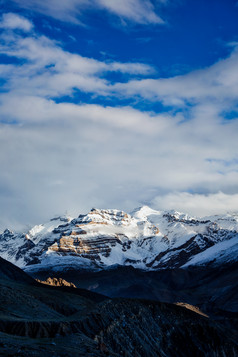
(57, 282)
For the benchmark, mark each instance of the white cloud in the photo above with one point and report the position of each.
(32, 109)
(50, 71)
(64, 156)
(13, 21)
(70, 157)
(43, 53)
(67, 157)
(138, 11)
(198, 204)
(218, 82)
(64, 10)
(135, 10)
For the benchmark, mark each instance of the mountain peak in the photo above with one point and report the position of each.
(145, 239)
(143, 212)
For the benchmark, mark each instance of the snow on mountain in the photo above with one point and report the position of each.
(146, 239)
(224, 251)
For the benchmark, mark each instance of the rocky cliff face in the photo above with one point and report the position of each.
(146, 239)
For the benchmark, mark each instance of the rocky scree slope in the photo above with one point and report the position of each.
(146, 239)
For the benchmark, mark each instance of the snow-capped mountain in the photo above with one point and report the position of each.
(145, 239)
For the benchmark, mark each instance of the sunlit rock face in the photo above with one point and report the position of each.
(145, 239)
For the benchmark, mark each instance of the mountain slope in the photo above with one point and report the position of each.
(10, 272)
(38, 320)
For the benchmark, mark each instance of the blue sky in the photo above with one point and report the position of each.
(117, 104)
